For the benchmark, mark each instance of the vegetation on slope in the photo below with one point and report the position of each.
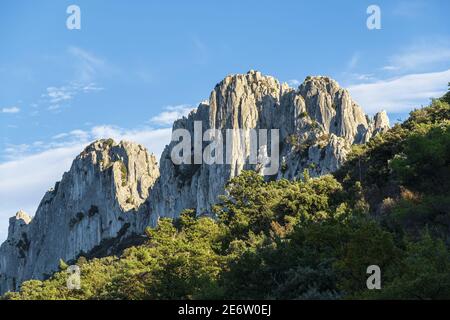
(311, 239)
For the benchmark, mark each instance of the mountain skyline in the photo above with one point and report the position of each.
(130, 71)
(115, 190)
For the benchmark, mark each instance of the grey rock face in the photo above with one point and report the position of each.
(101, 197)
(113, 191)
(318, 123)
(380, 122)
(16, 247)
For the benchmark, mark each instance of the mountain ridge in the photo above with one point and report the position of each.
(113, 191)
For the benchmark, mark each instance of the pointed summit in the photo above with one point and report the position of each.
(113, 191)
(22, 215)
(101, 199)
(381, 121)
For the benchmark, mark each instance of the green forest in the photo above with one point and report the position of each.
(314, 238)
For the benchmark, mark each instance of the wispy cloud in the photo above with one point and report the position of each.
(37, 166)
(390, 68)
(13, 151)
(87, 64)
(400, 94)
(420, 56)
(25, 180)
(156, 139)
(354, 60)
(351, 73)
(57, 96)
(359, 77)
(10, 110)
(365, 77)
(87, 67)
(90, 87)
(171, 114)
(147, 135)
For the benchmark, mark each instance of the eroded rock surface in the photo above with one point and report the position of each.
(318, 122)
(102, 197)
(113, 191)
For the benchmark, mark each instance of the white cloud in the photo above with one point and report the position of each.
(365, 77)
(400, 94)
(91, 87)
(171, 114)
(16, 150)
(60, 136)
(25, 181)
(27, 177)
(87, 66)
(390, 68)
(154, 139)
(422, 55)
(11, 110)
(56, 96)
(360, 76)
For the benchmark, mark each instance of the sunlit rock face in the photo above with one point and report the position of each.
(99, 199)
(318, 122)
(114, 191)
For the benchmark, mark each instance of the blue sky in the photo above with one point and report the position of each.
(135, 66)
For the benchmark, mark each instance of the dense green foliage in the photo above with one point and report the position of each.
(311, 239)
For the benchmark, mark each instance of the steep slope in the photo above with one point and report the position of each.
(317, 125)
(101, 198)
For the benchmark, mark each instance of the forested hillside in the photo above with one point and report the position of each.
(314, 238)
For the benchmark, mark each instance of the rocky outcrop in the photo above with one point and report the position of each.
(13, 251)
(380, 123)
(113, 191)
(102, 197)
(317, 122)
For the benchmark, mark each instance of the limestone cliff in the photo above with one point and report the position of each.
(101, 198)
(113, 191)
(318, 122)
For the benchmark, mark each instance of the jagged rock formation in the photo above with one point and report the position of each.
(113, 191)
(101, 198)
(318, 123)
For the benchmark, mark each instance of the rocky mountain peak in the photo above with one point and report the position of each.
(132, 169)
(381, 121)
(318, 123)
(323, 83)
(23, 216)
(17, 225)
(114, 190)
(101, 199)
